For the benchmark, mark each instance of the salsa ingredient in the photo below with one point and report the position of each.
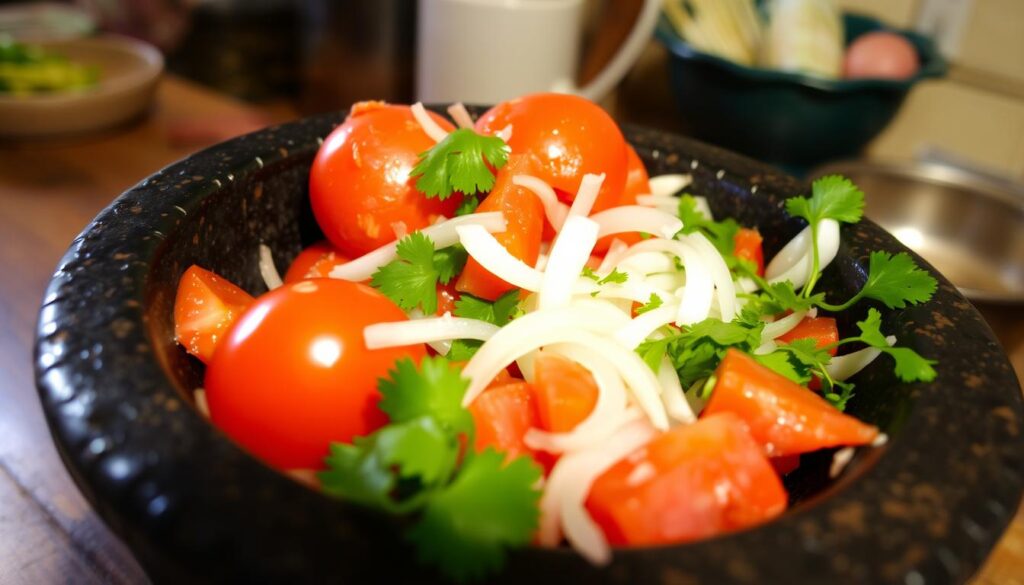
(293, 374)
(360, 187)
(205, 308)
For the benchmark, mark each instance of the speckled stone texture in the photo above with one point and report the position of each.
(926, 508)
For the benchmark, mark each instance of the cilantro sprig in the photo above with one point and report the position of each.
(466, 509)
(461, 162)
(411, 279)
(695, 351)
(500, 312)
(720, 233)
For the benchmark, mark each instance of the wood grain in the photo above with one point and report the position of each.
(48, 192)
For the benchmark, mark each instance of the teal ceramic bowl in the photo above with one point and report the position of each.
(789, 119)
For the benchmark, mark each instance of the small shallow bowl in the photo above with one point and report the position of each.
(194, 507)
(970, 227)
(790, 119)
(129, 71)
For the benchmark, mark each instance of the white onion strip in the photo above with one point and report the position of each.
(489, 252)
(268, 271)
(443, 234)
(719, 274)
(668, 185)
(430, 127)
(612, 257)
(606, 416)
(843, 366)
(590, 186)
(700, 288)
(672, 394)
(568, 256)
(784, 325)
(569, 484)
(564, 325)
(642, 326)
(636, 218)
(794, 261)
(554, 210)
(505, 133)
(426, 330)
(460, 114)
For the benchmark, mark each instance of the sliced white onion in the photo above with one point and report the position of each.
(693, 398)
(842, 367)
(590, 186)
(443, 234)
(784, 325)
(636, 218)
(672, 394)
(702, 206)
(489, 252)
(569, 484)
(719, 274)
(668, 185)
(666, 203)
(554, 210)
(564, 325)
(608, 413)
(794, 261)
(568, 256)
(271, 277)
(698, 293)
(401, 230)
(460, 114)
(642, 326)
(428, 329)
(430, 127)
(766, 347)
(649, 263)
(615, 251)
(199, 395)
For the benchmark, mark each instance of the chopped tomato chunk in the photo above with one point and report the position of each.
(205, 307)
(748, 247)
(316, 261)
(822, 330)
(692, 482)
(525, 215)
(502, 414)
(564, 390)
(784, 417)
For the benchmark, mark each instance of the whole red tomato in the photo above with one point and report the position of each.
(570, 135)
(359, 185)
(293, 373)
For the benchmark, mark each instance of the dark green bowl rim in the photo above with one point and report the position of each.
(932, 63)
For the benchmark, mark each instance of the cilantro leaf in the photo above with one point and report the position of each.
(436, 389)
(615, 277)
(781, 363)
(460, 162)
(653, 303)
(832, 197)
(368, 471)
(500, 312)
(697, 350)
(449, 261)
(463, 349)
(910, 366)
(468, 205)
(489, 507)
(720, 233)
(411, 279)
(897, 280)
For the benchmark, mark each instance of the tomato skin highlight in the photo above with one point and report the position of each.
(205, 308)
(689, 483)
(359, 185)
(565, 392)
(823, 330)
(784, 417)
(571, 136)
(524, 214)
(293, 374)
(316, 261)
(749, 247)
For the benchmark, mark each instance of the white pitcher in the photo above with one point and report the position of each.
(486, 51)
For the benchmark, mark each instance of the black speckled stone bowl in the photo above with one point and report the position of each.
(925, 508)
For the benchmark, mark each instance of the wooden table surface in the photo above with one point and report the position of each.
(48, 193)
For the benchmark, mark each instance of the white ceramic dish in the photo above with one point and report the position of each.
(129, 71)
